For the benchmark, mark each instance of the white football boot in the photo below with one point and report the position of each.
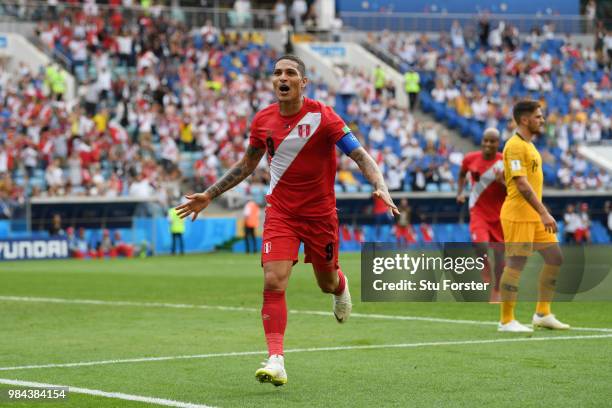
(342, 304)
(549, 321)
(273, 371)
(513, 327)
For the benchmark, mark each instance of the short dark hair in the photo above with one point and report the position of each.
(294, 58)
(523, 108)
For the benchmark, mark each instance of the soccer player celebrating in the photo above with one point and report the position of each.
(526, 223)
(299, 135)
(486, 169)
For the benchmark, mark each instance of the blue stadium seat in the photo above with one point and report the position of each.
(432, 188)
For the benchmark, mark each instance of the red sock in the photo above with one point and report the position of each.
(341, 283)
(274, 318)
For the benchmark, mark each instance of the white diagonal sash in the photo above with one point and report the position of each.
(290, 147)
(485, 181)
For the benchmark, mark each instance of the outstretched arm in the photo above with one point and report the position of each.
(239, 171)
(370, 170)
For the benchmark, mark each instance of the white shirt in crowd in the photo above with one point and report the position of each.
(104, 81)
(572, 222)
(3, 161)
(169, 151)
(377, 134)
(124, 43)
(141, 188)
(54, 176)
(78, 49)
(29, 156)
(394, 179)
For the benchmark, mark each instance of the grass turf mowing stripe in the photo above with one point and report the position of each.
(253, 310)
(307, 350)
(105, 394)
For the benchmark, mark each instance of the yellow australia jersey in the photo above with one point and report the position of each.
(521, 158)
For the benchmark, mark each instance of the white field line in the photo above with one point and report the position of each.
(254, 310)
(308, 350)
(105, 394)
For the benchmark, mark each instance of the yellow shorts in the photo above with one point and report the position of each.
(522, 238)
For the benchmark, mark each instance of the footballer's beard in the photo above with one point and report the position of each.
(536, 130)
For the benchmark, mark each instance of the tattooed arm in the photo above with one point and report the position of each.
(239, 171)
(370, 170)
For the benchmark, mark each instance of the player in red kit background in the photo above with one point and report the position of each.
(486, 170)
(300, 136)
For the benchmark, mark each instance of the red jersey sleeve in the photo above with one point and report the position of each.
(334, 125)
(465, 164)
(257, 138)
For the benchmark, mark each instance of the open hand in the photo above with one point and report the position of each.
(196, 203)
(386, 197)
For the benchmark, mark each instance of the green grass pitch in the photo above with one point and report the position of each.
(43, 320)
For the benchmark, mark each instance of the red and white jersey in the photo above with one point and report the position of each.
(487, 195)
(302, 157)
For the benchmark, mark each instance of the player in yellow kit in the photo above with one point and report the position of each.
(526, 223)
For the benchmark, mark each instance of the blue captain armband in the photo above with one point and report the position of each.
(348, 143)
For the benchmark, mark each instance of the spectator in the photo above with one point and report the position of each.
(177, 230)
(412, 82)
(381, 215)
(242, 13)
(583, 234)
(5, 209)
(78, 245)
(298, 11)
(590, 12)
(251, 223)
(395, 179)
(426, 229)
(345, 177)
(169, 153)
(564, 175)
(432, 176)
(280, 13)
(106, 246)
(380, 79)
(29, 158)
(123, 248)
(377, 133)
(54, 177)
(141, 188)
(4, 159)
(446, 176)
(404, 233)
(572, 224)
(56, 230)
(456, 34)
(419, 180)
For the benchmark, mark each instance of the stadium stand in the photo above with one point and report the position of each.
(142, 109)
(472, 80)
(164, 106)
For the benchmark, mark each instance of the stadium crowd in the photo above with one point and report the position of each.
(160, 104)
(472, 78)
